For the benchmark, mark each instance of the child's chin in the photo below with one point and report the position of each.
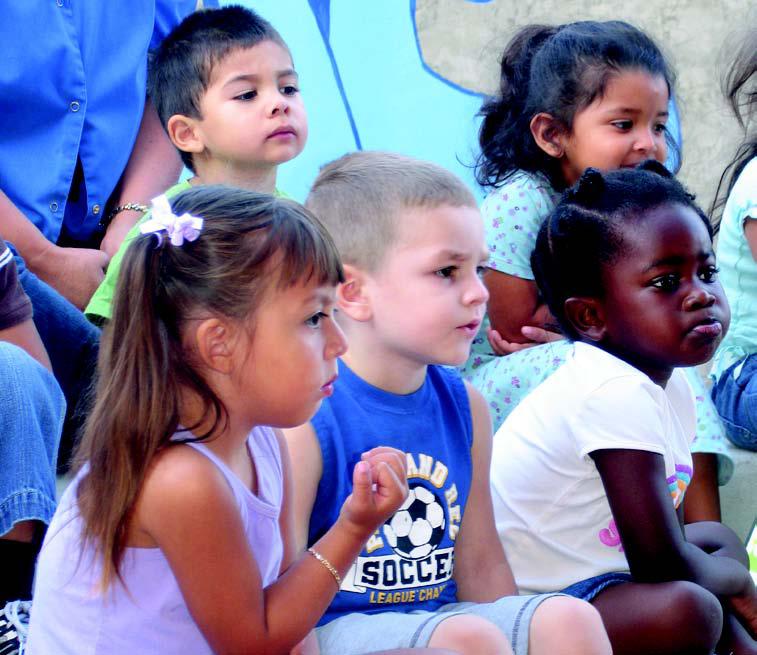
(697, 359)
(454, 359)
(291, 155)
(296, 420)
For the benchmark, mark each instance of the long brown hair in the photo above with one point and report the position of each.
(249, 242)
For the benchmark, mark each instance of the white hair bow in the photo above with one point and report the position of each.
(178, 228)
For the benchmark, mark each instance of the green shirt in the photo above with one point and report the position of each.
(101, 304)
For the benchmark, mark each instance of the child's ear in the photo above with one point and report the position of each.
(351, 295)
(587, 317)
(548, 134)
(214, 342)
(184, 133)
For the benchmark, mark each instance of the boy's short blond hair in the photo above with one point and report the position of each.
(360, 196)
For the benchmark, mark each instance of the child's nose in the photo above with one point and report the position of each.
(477, 293)
(700, 296)
(645, 141)
(279, 105)
(336, 344)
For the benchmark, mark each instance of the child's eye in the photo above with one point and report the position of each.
(447, 272)
(661, 128)
(480, 270)
(247, 95)
(289, 90)
(709, 274)
(623, 125)
(315, 320)
(668, 282)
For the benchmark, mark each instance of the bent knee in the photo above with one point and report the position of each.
(565, 610)
(468, 634)
(700, 612)
(569, 625)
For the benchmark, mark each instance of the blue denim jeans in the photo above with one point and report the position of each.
(72, 343)
(590, 588)
(31, 416)
(735, 397)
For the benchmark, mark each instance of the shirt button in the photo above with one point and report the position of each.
(96, 209)
(53, 206)
(59, 3)
(74, 106)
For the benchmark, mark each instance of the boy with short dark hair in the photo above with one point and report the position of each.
(412, 243)
(226, 91)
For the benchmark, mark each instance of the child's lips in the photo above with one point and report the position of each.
(283, 133)
(709, 328)
(328, 388)
(470, 328)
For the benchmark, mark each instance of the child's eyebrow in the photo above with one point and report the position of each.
(454, 255)
(634, 111)
(457, 256)
(677, 260)
(254, 77)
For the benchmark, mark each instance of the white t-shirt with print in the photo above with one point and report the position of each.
(551, 510)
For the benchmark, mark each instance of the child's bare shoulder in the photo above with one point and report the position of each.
(180, 476)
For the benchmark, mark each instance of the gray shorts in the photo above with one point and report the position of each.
(355, 634)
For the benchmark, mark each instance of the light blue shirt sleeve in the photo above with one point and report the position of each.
(512, 216)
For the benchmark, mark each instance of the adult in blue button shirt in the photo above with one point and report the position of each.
(78, 139)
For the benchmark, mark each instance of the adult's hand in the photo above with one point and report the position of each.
(75, 273)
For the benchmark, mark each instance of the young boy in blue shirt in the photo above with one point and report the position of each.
(412, 242)
(224, 85)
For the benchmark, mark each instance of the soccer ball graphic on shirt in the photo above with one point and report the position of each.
(417, 527)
